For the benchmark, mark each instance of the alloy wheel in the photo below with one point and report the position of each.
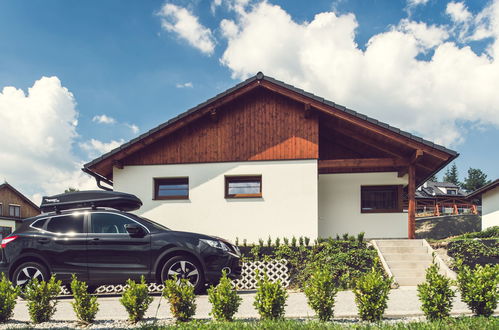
(27, 274)
(184, 269)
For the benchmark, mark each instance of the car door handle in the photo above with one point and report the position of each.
(94, 240)
(43, 240)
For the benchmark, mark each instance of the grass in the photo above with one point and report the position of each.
(464, 323)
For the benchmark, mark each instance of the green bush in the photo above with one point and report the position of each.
(321, 291)
(181, 298)
(8, 296)
(479, 287)
(436, 294)
(85, 305)
(41, 297)
(371, 295)
(474, 252)
(136, 299)
(224, 299)
(491, 232)
(270, 299)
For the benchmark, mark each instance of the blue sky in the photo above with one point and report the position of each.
(140, 63)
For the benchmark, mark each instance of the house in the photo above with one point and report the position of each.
(268, 159)
(437, 198)
(490, 203)
(14, 207)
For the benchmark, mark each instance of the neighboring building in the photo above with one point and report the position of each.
(267, 159)
(438, 198)
(490, 203)
(14, 207)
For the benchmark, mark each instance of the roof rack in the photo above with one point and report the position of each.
(90, 198)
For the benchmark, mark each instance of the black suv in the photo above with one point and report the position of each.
(89, 234)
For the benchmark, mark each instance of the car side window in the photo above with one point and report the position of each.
(39, 223)
(66, 224)
(109, 223)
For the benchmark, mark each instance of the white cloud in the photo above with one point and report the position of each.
(458, 11)
(103, 119)
(135, 129)
(37, 131)
(184, 85)
(414, 3)
(387, 80)
(180, 21)
(96, 148)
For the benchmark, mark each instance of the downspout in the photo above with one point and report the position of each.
(98, 179)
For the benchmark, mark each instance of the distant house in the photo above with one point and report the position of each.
(268, 159)
(14, 207)
(490, 203)
(437, 198)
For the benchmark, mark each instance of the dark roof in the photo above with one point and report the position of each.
(6, 185)
(261, 76)
(484, 189)
(431, 190)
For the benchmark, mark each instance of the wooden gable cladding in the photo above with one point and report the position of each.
(10, 196)
(260, 125)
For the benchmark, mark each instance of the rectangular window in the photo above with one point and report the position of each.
(381, 199)
(243, 186)
(171, 188)
(14, 211)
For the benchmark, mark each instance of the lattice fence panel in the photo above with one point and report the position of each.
(275, 269)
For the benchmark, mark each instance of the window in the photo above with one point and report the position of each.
(381, 199)
(5, 231)
(452, 191)
(66, 224)
(171, 188)
(1, 209)
(243, 186)
(14, 211)
(109, 223)
(39, 223)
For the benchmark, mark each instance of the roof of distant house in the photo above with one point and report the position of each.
(431, 190)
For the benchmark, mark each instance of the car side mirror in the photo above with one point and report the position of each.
(134, 229)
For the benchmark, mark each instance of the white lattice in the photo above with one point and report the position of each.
(275, 270)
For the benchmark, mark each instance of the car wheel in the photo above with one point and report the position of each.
(29, 271)
(184, 267)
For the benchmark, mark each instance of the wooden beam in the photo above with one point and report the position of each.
(118, 164)
(213, 115)
(362, 163)
(411, 212)
(308, 110)
(416, 156)
(403, 171)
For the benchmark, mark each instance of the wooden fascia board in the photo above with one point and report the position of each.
(362, 163)
(354, 120)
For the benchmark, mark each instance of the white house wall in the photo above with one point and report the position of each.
(490, 208)
(288, 206)
(339, 206)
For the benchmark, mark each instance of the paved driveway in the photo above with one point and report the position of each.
(403, 302)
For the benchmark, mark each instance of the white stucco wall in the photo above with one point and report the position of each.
(288, 206)
(490, 208)
(339, 206)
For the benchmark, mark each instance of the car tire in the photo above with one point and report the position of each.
(184, 267)
(28, 271)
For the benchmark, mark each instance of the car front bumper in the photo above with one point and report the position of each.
(229, 262)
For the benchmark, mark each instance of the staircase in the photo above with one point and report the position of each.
(407, 259)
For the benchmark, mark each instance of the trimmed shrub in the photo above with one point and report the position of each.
(41, 297)
(181, 297)
(371, 295)
(270, 299)
(474, 252)
(136, 299)
(321, 291)
(8, 296)
(479, 288)
(436, 294)
(224, 299)
(85, 305)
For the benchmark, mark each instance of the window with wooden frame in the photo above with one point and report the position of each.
(171, 188)
(243, 186)
(14, 211)
(381, 199)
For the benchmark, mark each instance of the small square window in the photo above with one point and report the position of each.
(171, 188)
(14, 211)
(381, 199)
(243, 186)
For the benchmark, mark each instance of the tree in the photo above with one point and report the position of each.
(433, 178)
(475, 180)
(71, 189)
(451, 175)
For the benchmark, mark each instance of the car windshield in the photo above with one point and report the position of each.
(154, 224)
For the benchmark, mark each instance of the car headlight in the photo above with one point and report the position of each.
(216, 244)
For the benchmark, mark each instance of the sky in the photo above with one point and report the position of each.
(79, 78)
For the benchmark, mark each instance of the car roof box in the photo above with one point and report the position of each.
(90, 198)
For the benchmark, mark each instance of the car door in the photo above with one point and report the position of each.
(63, 243)
(113, 254)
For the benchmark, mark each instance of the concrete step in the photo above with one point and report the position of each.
(400, 242)
(409, 281)
(404, 272)
(409, 264)
(405, 257)
(403, 249)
